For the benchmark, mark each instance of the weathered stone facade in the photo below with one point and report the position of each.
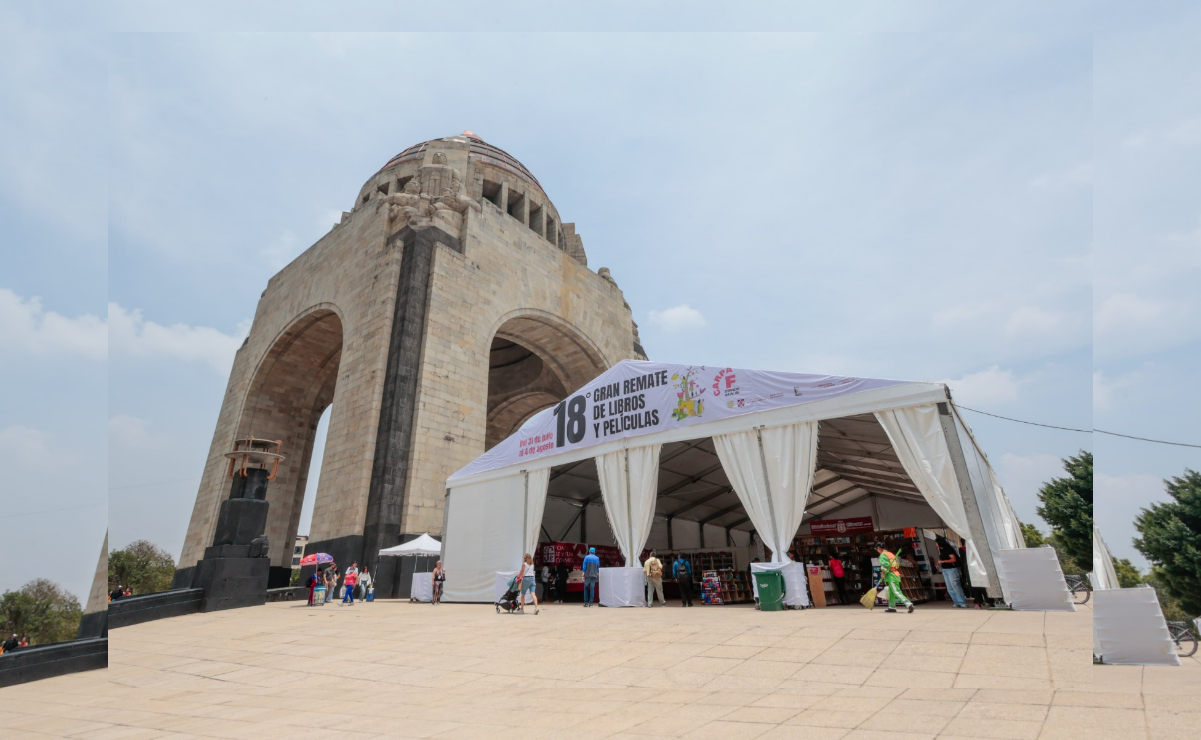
(449, 306)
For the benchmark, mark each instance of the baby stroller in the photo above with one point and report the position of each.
(510, 602)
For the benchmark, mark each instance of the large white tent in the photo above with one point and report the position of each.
(745, 450)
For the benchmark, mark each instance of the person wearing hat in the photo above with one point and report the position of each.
(890, 576)
(591, 570)
(10, 644)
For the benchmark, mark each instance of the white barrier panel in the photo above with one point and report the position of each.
(1129, 628)
(502, 586)
(423, 587)
(622, 587)
(796, 586)
(1033, 580)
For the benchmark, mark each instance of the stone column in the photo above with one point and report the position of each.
(539, 227)
(524, 215)
(503, 198)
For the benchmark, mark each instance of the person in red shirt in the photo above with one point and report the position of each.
(839, 576)
(349, 582)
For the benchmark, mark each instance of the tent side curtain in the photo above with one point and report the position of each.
(771, 471)
(483, 535)
(918, 440)
(536, 484)
(1104, 574)
(629, 483)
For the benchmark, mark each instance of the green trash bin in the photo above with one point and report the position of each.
(771, 590)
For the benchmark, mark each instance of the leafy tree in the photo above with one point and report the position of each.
(1171, 540)
(142, 566)
(1067, 505)
(1128, 575)
(294, 578)
(1033, 537)
(40, 610)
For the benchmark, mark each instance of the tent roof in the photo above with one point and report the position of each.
(423, 545)
(773, 398)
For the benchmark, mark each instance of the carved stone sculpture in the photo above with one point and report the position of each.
(259, 546)
(408, 206)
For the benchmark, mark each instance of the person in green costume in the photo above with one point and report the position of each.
(890, 575)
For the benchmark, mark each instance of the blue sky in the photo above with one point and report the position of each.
(1005, 210)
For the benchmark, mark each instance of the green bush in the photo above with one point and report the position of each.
(40, 610)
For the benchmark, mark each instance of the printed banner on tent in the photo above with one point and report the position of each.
(634, 398)
(841, 526)
(572, 554)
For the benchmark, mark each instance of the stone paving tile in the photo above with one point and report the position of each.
(724, 672)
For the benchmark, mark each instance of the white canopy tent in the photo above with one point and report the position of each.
(742, 450)
(423, 545)
(1128, 624)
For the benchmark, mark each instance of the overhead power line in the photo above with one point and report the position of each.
(1022, 421)
(1082, 431)
(55, 511)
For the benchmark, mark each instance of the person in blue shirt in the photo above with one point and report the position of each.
(681, 570)
(591, 570)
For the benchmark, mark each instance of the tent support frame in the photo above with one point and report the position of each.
(971, 505)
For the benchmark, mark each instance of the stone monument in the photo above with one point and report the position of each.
(450, 304)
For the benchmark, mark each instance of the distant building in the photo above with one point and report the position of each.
(302, 540)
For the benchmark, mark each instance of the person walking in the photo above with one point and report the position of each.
(116, 593)
(10, 644)
(366, 583)
(439, 580)
(561, 574)
(24, 641)
(331, 582)
(979, 595)
(349, 581)
(652, 569)
(591, 568)
(890, 575)
(952, 573)
(681, 570)
(529, 580)
(839, 576)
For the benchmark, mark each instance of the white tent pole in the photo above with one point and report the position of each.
(771, 507)
(971, 505)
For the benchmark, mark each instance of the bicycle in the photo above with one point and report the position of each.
(1183, 637)
(1081, 590)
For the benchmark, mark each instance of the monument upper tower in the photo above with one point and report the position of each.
(449, 305)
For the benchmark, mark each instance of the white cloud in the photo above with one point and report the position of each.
(28, 328)
(25, 447)
(1022, 476)
(283, 250)
(1105, 387)
(991, 387)
(1028, 321)
(133, 434)
(133, 335)
(677, 318)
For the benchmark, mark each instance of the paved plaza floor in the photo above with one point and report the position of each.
(395, 669)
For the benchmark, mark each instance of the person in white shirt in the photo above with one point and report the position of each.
(529, 581)
(546, 581)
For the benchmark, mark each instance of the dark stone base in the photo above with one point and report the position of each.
(232, 582)
(186, 577)
(345, 550)
(240, 521)
(279, 577)
(93, 625)
(57, 659)
(149, 607)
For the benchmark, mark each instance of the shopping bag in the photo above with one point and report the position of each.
(869, 598)
(371, 594)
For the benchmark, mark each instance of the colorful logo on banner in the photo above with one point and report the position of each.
(688, 395)
(841, 526)
(572, 554)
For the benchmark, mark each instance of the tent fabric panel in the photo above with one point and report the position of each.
(1130, 629)
(1033, 580)
(536, 482)
(1104, 575)
(917, 438)
(1001, 525)
(494, 464)
(483, 533)
(629, 487)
